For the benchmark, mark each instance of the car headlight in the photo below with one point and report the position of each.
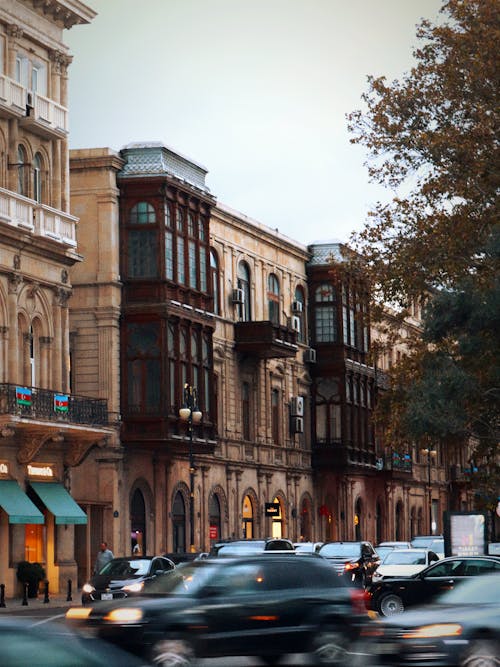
(88, 588)
(124, 615)
(435, 630)
(134, 588)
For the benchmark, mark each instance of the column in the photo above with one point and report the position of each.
(15, 282)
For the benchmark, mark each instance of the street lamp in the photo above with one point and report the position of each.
(191, 414)
(431, 454)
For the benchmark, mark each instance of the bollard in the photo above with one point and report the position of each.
(46, 597)
(2, 595)
(25, 595)
(69, 598)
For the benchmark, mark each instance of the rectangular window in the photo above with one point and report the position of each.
(275, 417)
(142, 259)
(245, 410)
(193, 282)
(203, 270)
(325, 324)
(345, 323)
(169, 256)
(181, 273)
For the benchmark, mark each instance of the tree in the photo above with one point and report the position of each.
(434, 136)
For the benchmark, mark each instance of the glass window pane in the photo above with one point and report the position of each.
(142, 254)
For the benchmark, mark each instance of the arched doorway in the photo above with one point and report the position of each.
(277, 520)
(214, 518)
(378, 523)
(178, 524)
(399, 521)
(138, 524)
(247, 518)
(305, 520)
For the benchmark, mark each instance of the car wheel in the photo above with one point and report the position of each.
(172, 653)
(390, 604)
(329, 646)
(482, 653)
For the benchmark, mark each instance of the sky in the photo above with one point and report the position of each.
(256, 91)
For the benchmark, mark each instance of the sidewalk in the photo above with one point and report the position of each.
(57, 601)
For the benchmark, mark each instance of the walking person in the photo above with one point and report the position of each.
(104, 555)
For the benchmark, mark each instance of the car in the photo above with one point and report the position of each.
(357, 561)
(307, 547)
(461, 627)
(125, 576)
(263, 605)
(434, 542)
(404, 562)
(394, 595)
(386, 547)
(48, 644)
(232, 548)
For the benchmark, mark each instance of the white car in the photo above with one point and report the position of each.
(404, 563)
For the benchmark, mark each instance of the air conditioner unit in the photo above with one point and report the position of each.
(297, 306)
(238, 296)
(294, 323)
(297, 406)
(297, 425)
(310, 356)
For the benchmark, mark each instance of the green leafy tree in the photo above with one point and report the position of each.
(433, 137)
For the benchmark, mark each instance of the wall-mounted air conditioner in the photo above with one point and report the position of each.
(297, 306)
(297, 425)
(310, 356)
(238, 296)
(294, 323)
(297, 406)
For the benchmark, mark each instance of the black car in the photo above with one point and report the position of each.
(356, 561)
(461, 627)
(122, 577)
(394, 594)
(48, 644)
(266, 606)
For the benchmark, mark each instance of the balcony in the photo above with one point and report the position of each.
(43, 221)
(12, 98)
(45, 117)
(265, 340)
(33, 403)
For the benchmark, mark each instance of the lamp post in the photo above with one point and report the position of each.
(431, 453)
(191, 414)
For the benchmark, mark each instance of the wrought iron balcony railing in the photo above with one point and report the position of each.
(53, 406)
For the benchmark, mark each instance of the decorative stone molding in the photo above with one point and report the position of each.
(64, 276)
(16, 262)
(45, 340)
(62, 296)
(15, 281)
(15, 31)
(61, 61)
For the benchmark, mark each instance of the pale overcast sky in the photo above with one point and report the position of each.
(254, 90)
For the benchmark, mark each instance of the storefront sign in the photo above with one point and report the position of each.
(4, 468)
(272, 509)
(40, 470)
(212, 532)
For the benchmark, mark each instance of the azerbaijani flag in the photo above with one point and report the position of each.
(23, 396)
(61, 402)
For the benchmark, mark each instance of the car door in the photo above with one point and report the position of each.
(252, 610)
(436, 579)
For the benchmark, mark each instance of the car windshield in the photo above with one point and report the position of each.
(126, 568)
(186, 579)
(428, 543)
(405, 557)
(340, 550)
(232, 550)
(476, 590)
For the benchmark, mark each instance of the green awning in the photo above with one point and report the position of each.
(17, 504)
(58, 501)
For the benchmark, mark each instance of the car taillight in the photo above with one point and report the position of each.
(359, 600)
(351, 566)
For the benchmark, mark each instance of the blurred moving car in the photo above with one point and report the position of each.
(26, 642)
(122, 577)
(394, 595)
(307, 547)
(232, 548)
(266, 606)
(404, 563)
(356, 560)
(386, 547)
(434, 542)
(461, 627)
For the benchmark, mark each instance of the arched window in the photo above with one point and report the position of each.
(142, 242)
(138, 524)
(214, 273)
(178, 524)
(37, 178)
(244, 309)
(247, 518)
(214, 516)
(21, 170)
(325, 314)
(273, 298)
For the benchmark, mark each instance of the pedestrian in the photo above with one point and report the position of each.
(104, 555)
